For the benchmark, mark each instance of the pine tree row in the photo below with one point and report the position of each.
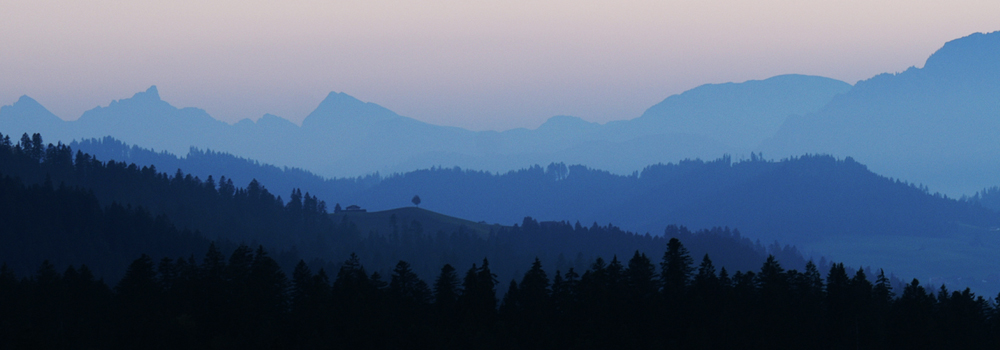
(246, 301)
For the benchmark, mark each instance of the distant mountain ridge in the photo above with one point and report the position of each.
(345, 137)
(739, 115)
(934, 125)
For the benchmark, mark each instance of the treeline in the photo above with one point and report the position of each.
(296, 227)
(988, 197)
(246, 301)
(217, 208)
(241, 170)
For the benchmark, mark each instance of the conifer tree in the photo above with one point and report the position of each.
(510, 306)
(446, 287)
(882, 291)
(405, 286)
(479, 299)
(534, 289)
(705, 281)
(676, 268)
(641, 278)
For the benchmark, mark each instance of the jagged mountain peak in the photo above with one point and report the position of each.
(335, 97)
(142, 99)
(150, 94)
(338, 106)
(26, 102)
(26, 108)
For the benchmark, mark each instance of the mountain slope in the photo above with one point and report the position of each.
(935, 125)
(739, 115)
(29, 116)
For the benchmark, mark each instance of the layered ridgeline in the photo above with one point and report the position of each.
(824, 205)
(935, 125)
(347, 137)
(72, 208)
(247, 297)
(932, 125)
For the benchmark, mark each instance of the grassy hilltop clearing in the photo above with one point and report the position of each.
(428, 222)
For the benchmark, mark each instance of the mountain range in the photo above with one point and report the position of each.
(927, 130)
(933, 125)
(345, 137)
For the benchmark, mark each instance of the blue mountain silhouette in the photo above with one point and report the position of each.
(933, 125)
(344, 136)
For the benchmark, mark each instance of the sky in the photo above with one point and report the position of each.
(480, 65)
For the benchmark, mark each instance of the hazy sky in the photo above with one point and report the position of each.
(474, 64)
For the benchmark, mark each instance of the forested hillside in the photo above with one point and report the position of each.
(301, 227)
(988, 198)
(823, 205)
(68, 226)
(204, 163)
(792, 200)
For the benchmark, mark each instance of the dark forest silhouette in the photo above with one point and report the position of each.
(246, 301)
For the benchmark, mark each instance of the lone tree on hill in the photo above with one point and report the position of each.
(416, 200)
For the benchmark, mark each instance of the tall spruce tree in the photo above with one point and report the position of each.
(676, 269)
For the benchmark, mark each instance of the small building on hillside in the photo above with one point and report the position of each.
(354, 208)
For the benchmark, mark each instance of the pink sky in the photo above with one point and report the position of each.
(473, 64)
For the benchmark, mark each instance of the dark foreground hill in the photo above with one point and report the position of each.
(245, 301)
